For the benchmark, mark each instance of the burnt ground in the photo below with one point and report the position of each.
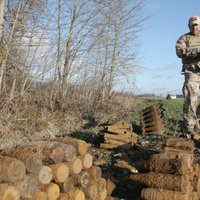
(147, 145)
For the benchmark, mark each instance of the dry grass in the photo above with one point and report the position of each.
(31, 117)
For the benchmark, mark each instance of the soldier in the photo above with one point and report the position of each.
(188, 49)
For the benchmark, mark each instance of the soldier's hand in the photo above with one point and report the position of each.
(192, 52)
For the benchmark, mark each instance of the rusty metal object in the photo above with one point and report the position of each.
(151, 120)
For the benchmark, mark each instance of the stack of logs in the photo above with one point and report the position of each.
(59, 169)
(119, 134)
(151, 120)
(173, 173)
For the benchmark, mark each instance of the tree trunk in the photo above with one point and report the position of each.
(8, 192)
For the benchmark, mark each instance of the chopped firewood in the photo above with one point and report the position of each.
(95, 172)
(75, 166)
(42, 170)
(81, 179)
(40, 195)
(101, 185)
(8, 192)
(91, 191)
(102, 195)
(11, 169)
(60, 172)
(70, 152)
(74, 195)
(110, 186)
(81, 146)
(52, 190)
(109, 198)
(68, 185)
(27, 187)
(43, 174)
(87, 160)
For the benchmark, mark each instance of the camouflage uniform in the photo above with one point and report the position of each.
(188, 49)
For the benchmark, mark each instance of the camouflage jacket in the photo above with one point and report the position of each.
(188, 49)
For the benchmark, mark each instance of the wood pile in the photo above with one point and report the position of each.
(54, 170)
(151, 120)
(119, 134)
(172, 174)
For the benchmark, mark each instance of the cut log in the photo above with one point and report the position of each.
(8, 192)
(52, 190)
(74, 195)
(60, 172)
(68, 185)
(75, 166)
(40, 196)
(103, 194)
(101, 185)
(110, 186)
(44, 175)
(27, 187)
(160, 194)
(11, 169)
(95, 172)
(165, 181)
(110, 198)
(87, 160)
(91, 192)
(33, 163)
(81, 179)
(53, 152)
(31, 160)
(81, 146)
(70, 152)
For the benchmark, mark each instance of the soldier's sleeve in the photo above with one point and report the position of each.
(181, 47)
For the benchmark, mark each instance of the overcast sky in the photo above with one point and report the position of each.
(161, 72)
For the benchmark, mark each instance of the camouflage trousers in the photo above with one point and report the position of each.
(190, 93)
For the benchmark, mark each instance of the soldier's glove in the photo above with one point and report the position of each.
(192, 52)
(198, 50)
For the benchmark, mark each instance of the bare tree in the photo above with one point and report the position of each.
(2, 2)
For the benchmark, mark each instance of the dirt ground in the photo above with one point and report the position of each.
(126, 189)
(146, 146)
